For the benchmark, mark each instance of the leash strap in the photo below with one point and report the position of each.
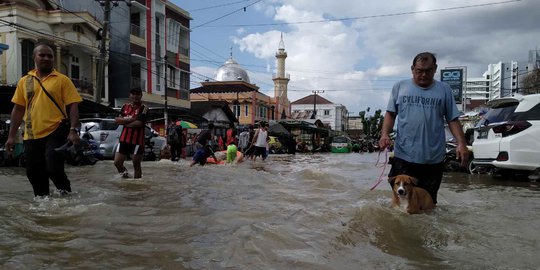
(379, 166)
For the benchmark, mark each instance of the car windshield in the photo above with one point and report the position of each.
(339, 140)
(96, 125)
(496, 115)
(109, 125)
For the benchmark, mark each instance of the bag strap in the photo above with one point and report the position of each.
(49, 95)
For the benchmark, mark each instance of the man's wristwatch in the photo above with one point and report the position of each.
(74, 129)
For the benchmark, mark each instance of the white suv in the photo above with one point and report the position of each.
(508, 137)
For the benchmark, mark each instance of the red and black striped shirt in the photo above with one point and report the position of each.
(129, 134)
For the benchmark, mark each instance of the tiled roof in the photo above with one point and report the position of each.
(311, 99)
(225, 87)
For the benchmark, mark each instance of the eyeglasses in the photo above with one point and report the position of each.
(423, 70)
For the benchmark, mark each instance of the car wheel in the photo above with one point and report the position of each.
(471, 168)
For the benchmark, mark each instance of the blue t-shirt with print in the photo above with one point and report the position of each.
(421, 117)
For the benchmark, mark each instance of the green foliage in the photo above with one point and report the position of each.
(372, 124)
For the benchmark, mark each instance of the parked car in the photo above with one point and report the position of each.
(341, 144)
(106, 132)
(508, 137)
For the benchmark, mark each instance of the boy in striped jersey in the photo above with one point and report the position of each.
(132, 117)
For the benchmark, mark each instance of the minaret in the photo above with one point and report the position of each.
(281, 80)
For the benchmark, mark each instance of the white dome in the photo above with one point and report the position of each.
(231, 71)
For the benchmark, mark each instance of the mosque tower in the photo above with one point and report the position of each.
(281, 80)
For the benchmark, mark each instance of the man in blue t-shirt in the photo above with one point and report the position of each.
(422, 106)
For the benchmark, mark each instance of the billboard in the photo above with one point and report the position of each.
(454, 78)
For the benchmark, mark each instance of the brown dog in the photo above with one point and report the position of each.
(409, 197)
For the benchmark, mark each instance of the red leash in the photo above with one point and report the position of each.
(383, 166)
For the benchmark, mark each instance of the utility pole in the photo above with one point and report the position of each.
(313, 116)
(166, 108)
(103, 51)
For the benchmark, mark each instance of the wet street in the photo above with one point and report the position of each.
(290, 212)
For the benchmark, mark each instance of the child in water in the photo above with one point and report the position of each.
(202, 154)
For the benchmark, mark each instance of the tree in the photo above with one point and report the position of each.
(372, 124)
(530, 84)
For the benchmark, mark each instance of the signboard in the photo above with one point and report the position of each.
(454, 78)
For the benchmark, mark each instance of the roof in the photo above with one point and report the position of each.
(231, 71)
(301, 115)
(202, 107)
(311, 100)
(225, 87)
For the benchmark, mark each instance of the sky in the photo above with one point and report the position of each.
(355, 51)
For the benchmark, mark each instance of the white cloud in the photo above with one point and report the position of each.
(365, 56)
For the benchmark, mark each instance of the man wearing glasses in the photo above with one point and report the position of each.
(422, 106)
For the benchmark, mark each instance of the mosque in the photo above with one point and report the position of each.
(232, 84)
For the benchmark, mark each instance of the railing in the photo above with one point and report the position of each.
(84, 87)
(183, 51)
(137, 31)
(138, 82)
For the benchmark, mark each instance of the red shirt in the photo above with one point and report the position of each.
(231, 136)
(129, 134)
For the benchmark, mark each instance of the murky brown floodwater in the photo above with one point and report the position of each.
(291, 212)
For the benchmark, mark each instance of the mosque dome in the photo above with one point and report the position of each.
(231, 71)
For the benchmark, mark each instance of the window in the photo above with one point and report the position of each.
(172, 77)
(158, 77)
(263, 111)
(78, 28)
(27, 48)
(246, 113)
(184, 80)
(75, 73)
(326, 112)
(236, 110)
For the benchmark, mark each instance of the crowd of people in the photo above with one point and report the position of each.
(46, 104)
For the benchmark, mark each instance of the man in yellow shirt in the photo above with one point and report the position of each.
(42, 118)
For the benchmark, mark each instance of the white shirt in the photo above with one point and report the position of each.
(261, 138)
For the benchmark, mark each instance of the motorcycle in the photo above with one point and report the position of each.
(85, 153)
(451, 164)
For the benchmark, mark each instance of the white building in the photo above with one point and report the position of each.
(71, 35)
(331, 114)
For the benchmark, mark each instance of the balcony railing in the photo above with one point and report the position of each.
(137, 31)
(84, 87)
(138, 82)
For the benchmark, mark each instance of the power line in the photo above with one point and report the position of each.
(360, 17)
(222, 5)
(226, 15)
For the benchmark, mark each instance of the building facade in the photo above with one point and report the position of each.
(313, 107)
(148, 48)
(72, 36)
(232, 84)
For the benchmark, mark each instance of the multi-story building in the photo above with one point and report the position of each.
(504, 78)
(476, 92)
(72, 35)
(148, 47)
(313, 107)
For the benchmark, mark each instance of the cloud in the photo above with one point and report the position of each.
(358, 60)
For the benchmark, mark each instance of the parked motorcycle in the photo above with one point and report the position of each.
(451, 164)
(85, 153)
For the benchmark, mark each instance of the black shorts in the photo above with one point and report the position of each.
(260, 151)
(130, 149)
(429, 175)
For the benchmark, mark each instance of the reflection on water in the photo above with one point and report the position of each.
(290, 212)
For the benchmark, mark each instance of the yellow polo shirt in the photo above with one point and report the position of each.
(41, 116)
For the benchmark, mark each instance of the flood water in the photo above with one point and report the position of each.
(290, 212)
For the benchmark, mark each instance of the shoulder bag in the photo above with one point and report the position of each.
(65, 124)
